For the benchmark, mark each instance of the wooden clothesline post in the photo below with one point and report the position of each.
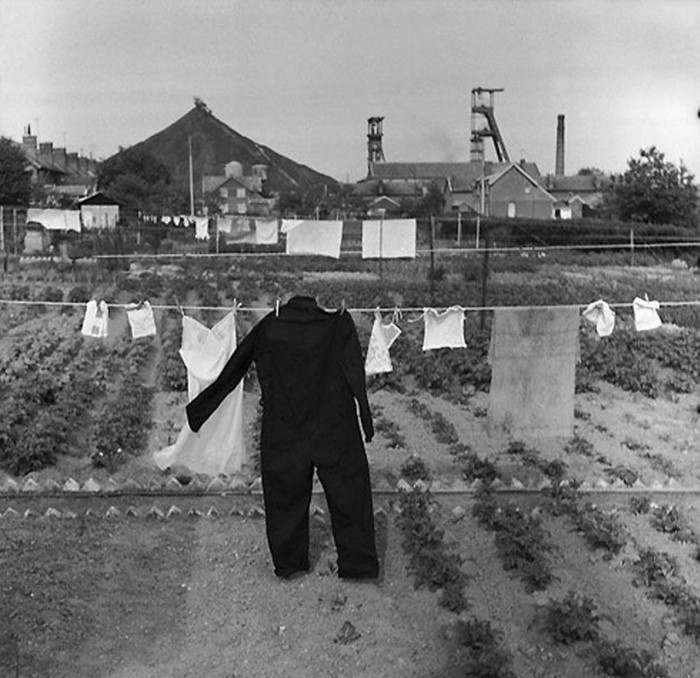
(432, 259)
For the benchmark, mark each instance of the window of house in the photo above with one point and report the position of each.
(223, 192)
(240, 192)
(511, 210)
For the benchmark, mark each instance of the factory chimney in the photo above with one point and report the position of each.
(559, 161)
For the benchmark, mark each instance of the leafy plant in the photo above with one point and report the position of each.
(414, 468)
(521, 541)
(432, 562)
(627, 662)
(670, 520)
(600, 529)
(627, 475)
(487, 656)
(641, 504)
(390, 431)
(579, 445)
(572, 619)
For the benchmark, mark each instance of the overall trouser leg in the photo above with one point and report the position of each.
(349, 496)
(287, 493)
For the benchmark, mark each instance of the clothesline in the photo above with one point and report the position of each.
(371, 309)
(435, 250)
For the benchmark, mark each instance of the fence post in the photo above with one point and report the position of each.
(432, 259)
(484, 281)
(14, 228)
(459, 228)
(632, 244)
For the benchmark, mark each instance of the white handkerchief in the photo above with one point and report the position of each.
(443, 330)
(602, 316)
(646, 314)
(95, 323)
(141, 320)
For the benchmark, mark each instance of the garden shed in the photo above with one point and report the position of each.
(99, 211)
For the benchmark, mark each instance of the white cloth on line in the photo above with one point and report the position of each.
(443, 330)
(602, 316)
(218, 447)
(266, 231)
(241, 231)
(96, 320)
(315, 237)
(141, 320)
(55, 220)
(224, 224)
(201, 228)
(389, 239)
(646, 314)
(289, 224)
(383, 336)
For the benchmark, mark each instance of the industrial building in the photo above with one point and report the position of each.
(499, 187)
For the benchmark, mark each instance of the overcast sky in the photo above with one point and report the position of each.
(303, 76)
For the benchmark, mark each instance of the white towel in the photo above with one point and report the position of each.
(266, 231)
(443, 330)
(392, 239)
(224, 224)
(55, 220)
(201, 228)
(602, 316)
(315, 237)
(646, 315)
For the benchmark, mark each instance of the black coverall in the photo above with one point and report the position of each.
(311, 375)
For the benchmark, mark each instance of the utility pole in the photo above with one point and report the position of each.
(189, 143)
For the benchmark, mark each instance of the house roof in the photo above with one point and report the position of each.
(497, 176)
(577, 183)
(98, 198)
(384, 199)
(215, 183)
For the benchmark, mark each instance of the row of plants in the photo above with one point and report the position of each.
(603, 530)
(44, 407)
(643, 362)
(521, 541)
(125, 417)
(436, 566)
(574, 619)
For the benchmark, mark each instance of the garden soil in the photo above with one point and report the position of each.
(196, 596)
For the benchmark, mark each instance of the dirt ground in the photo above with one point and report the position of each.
(137, 597)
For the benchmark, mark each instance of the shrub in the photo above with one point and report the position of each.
(78, 295)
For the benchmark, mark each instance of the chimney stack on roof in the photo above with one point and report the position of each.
(559, 160)
(46, 152)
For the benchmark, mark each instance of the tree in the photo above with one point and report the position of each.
(432, 202)
(140, 182)
(15, 179)
(653, 190)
